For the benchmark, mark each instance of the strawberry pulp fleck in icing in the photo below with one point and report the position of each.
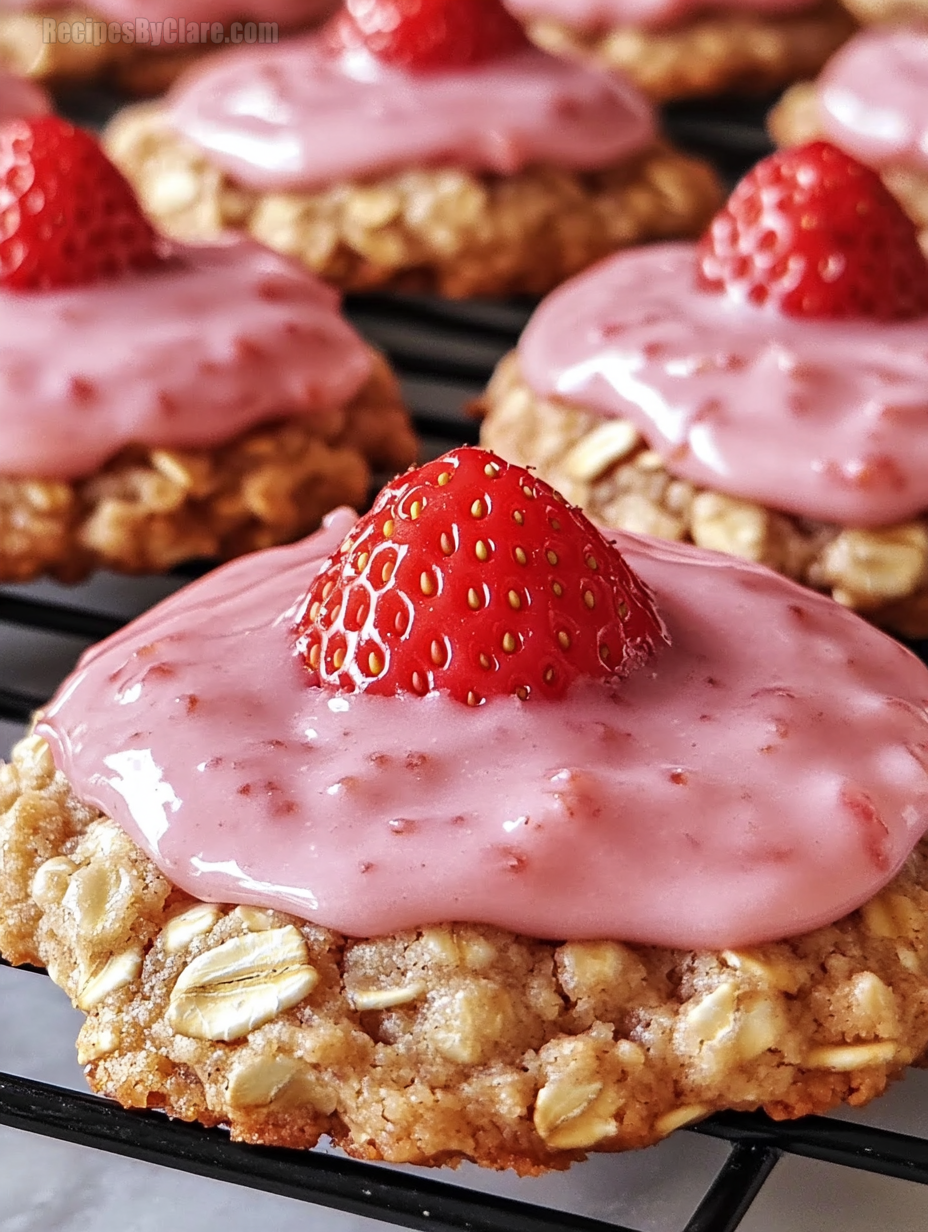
(298, 115)
(764, 775)
(188, 355)
(610, 14)
(19, 97)
(873, 97)
(823, 419)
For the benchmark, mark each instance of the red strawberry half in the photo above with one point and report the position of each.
(67, 216)
(814, 233)
(474, 577)
(428, 35)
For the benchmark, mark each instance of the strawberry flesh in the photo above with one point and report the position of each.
(814, 233)
(473, 577)
(68, 217)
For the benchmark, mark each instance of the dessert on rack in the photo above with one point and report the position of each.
(763, 392)
(871, 100)
(141, 47)
(163, 402)
(420, 146)
(464, 830)
(687, 48)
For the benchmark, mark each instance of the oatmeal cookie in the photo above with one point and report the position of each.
(795, 120)
(450, 230)
(605, 466)
(445, 1043)
(714, 54)
(148, 509)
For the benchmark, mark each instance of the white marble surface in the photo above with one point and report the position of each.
(52, 1187)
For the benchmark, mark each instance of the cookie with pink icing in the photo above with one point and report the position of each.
(761, 393)
(162, 401)
(544, 840)
(450, 155)
(686, 48)
(870, 99)
(143, 47)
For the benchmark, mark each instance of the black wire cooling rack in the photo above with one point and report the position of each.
(444, 353)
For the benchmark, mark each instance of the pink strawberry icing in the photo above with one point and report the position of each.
(823, 419)
(285, 12)
(296, 116)
(217, 341)
(873, 97)
(764, 775)
(19, 97)
(610, 14)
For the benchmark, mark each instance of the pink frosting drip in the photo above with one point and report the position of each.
(286, 12)
(826, 420)
(20, 98)
(217, 341)
(873, 97)
(295, 116)
(610, 14)
(765, 775)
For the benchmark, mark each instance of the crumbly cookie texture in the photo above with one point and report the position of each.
(721, 52)
(605, 466)
(451, 1042)
(135, 67)
(442, 229)
(795, 120)
(149, 509)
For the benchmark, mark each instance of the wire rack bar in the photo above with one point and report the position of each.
(498, 324)
(757, 1144)
(405, 363)
(837, 1142)
(465, 434)
(57, 618)
(399, 1197)
(23, 967)
(16, 707)
(734, 1189)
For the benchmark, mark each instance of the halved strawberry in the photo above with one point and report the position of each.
(425, 35)
(814, 233)
(67, 215)
(474, 577)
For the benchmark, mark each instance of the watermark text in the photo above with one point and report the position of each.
(171, 32)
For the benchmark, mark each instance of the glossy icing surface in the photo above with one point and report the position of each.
(873, 97)
(823, 419)
(764, 775)
(298, 116)
(19, 97)
(215, 342)
(608, 14)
